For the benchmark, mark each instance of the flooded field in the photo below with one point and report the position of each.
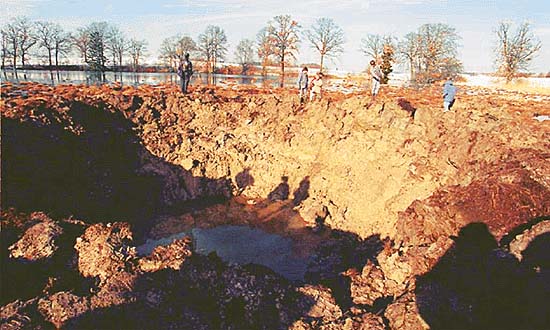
(133, 78)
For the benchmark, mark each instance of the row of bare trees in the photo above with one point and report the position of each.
(278, 41)
(97, 44)
(430, 52)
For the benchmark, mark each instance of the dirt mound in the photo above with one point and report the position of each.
(410, 215)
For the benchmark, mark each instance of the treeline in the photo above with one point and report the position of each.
(100, 45)
(430, 52)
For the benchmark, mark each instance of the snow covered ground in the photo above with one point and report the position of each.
(489, 81)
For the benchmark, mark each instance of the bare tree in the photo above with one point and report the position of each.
(62, 46)
(11, 34)
(514, 52)
(245, 54)
(327, 38)
(46, 33)
(283, 36)
(372, 45)
(173, 49)
(265, 48)
(5, 52)
(168, 52)
(117, 44)
(81, 40)
(185, 45)
(212, 45)
(409, 50)
(137, 49)
(27, 38)
(431, 52)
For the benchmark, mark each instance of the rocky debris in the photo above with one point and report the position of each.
(19, 315)
(523, 240)
(62, 306)
(397, 271)
(322, 305)
(170, 256)
(502, 201)
(369, 321)
(365, 170)
(403, 314)
(218, 133)
(368, 286)
(104, 253)
(250, 300)
(38, 242)
(104, 249)
(10, 218)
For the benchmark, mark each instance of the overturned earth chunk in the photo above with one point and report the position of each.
(38, 242)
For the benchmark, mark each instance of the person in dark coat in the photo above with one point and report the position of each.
(185, 71)
(303, 83)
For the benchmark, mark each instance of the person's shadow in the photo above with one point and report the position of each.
(475, 285)
(302, 193)
(244, 179)
(281, 192)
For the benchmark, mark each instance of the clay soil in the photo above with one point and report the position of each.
(414, 218)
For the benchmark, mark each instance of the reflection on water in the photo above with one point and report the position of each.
(132, 78)
(242, 245)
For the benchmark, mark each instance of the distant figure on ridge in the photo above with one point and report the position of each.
(316, 86)
(449, 93)
(303, 85)
(376, 76)
(185, 70)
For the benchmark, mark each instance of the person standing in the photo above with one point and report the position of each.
(185, 71)
(303, 81)
(316, 86)
(376, 76)
(449, 93)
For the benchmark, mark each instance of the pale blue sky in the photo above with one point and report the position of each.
(474, 21)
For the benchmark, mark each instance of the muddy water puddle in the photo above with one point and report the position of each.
(242, 245)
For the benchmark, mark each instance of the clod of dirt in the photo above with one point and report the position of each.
(170, 256)
(38, 242)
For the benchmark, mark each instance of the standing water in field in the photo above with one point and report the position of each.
(242, 245)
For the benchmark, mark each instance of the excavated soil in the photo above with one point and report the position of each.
(411, 218)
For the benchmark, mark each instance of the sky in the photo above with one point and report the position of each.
(474, 20)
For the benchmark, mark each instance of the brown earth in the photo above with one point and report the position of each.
(411, 214)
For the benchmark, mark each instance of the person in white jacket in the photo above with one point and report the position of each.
(376, 76)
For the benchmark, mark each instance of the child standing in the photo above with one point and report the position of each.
(316, 86)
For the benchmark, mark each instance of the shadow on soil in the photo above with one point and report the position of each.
(475, 285)
(96, 175)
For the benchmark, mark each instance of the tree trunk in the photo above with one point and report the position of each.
(50, 57)
(56, 59)
(411, 78)
(14, 56)
(322, 58)
(282, 83)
